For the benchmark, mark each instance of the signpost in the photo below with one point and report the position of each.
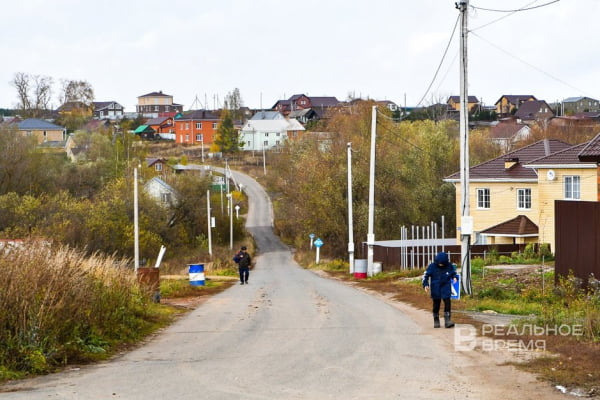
(311, 236)
(455, 289)
(318, 243)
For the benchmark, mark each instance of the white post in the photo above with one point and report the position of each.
(350, 222)
(237, 211)
(317, 260)
(463, 6)
(136, 229)
(264, 160)
(202, 148)
(208, 217)
(161, 253)
(371, 234)
(230, 211)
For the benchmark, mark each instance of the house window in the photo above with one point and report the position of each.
(572, 188)
(199, 138)
(158, 167)
(156, 108)
(524, 199)
(278, 133)
(166, 108)
(483, 198)
(187, 126)
(165, 197)
(187, 138)
(265, 143)
(198, 125)
(266, 134)
(214, 125)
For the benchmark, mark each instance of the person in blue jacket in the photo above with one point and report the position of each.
(438, 280)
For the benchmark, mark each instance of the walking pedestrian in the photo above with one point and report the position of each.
(438, 280)
(243, 259)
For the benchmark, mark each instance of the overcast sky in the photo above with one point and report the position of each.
(382, 49)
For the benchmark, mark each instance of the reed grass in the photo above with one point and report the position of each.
(60, 306)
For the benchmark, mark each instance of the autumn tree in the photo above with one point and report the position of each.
(227, 139)
(34, 93)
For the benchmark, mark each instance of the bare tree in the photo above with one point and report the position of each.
(34, 93)
(77, 92)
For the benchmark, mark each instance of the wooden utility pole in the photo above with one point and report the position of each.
(466, 222)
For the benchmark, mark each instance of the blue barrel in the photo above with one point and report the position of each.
(197, 274)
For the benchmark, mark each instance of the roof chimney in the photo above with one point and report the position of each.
(510, 162)
(546, 147)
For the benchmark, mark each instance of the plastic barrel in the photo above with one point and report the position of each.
(360, 268)
(377, 268)
(197, 274)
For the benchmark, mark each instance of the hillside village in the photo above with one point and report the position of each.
(512, 194)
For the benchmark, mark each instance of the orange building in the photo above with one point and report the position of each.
(196, 127)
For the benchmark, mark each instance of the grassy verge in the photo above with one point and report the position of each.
(60, 307)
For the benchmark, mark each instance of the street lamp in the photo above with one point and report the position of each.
(237, 211)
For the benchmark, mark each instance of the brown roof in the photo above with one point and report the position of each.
(567, 156)
(506, 130)
(518, 226)
(516, 98)
(591, 150)
(198, 115)
(530, 109)
(495, 169)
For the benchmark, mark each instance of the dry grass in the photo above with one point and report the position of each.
(59, 306)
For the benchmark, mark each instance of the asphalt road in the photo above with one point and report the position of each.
(290, 334)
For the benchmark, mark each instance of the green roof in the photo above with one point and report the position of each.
(143, 128)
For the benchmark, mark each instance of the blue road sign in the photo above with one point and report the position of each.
(318, 242)
(456, 289)
(311, 235)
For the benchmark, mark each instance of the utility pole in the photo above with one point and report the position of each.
(350, 223)
(136, 229)
(466, 222)
(370, 233)
(209, 222)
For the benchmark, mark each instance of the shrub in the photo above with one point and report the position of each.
(59, 306)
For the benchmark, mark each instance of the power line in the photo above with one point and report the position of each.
(526, 8)
(529, 64)
(441, 62)
(510, 13)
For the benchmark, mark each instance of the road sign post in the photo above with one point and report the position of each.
(318, 243)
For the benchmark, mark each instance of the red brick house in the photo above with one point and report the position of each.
(196, 127)
(161, 124)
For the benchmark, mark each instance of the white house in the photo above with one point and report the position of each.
(161, 191)
(267, 130)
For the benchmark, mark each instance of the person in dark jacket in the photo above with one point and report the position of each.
(438, 280)
(243, 259)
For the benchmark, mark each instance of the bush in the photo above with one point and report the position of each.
(59, 306)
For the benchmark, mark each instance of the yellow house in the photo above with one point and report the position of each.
(43, 131)
(511, 198)
(454, 103)
(508, 102)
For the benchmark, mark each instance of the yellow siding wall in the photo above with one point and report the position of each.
(51, 135)
(151, 101)
(554, 190)
(503, 205)
(503, 202)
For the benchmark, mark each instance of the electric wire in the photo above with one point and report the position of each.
(441, 61)
(526, 8)
(510, 13)
(528, 64)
